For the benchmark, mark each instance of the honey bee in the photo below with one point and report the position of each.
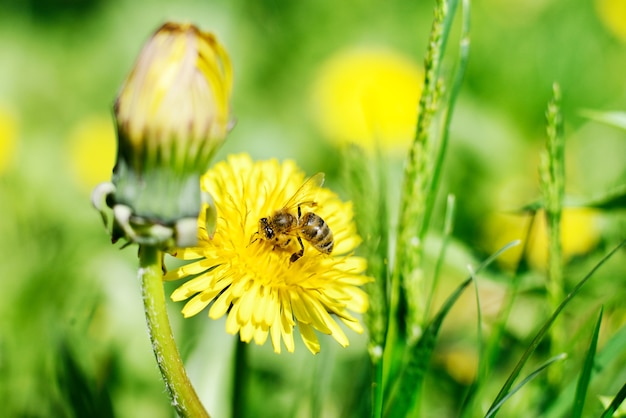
(284, 225)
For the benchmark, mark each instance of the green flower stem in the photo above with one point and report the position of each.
(377, 388)
(240, 380)
(184, 397)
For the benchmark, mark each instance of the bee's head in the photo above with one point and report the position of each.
(265, 229)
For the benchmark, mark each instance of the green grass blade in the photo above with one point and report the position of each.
(83, 395)
(613, 199)
(544, 329)
(240, 381)
(585, 375)
(457, 82)
(605, 358)
(407, 387)
(617, 401)
(616, 119)
(489, 356)
(494, 410)
(479, 323)
(448, 226)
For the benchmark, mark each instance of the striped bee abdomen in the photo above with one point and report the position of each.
(316, 231)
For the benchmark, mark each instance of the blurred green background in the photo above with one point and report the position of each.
(72, 334)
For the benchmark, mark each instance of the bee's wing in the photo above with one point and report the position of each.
(306, 194)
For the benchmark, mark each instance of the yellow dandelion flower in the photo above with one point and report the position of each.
(461, 364)
(8, 138)
(579, 235)
(501, 228)
(368, 96)
(252, 281)
(612, 13)
(92, 150)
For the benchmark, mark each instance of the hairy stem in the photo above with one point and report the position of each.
(182, 394)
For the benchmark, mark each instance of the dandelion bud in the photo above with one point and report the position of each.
(172, 115)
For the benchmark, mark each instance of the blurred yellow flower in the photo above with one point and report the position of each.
(254, 282)
(500, 229)
(579, 235)
(367, 96)
(8, 138)
(612, 14)
(460, 363)
(92, 150)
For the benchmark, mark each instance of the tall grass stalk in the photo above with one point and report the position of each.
(406, 296)
(552, 177)
(408, 290)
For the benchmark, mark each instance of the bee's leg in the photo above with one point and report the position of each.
(281, 245)
(300, 217)
(253, 238)
(296, 256)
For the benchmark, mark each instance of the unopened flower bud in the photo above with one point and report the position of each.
(172, 115)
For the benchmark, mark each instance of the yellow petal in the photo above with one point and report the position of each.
(259, 314)
(352, 323)
(309, 338)
(247, 304)
(299, 309)
(221, 305)
(286, 330)
(338, 333)
(317, 313)
(246, 332)
(260, 335)
(232, 325)
(195, 305)
(275, 332)
(187, 270)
